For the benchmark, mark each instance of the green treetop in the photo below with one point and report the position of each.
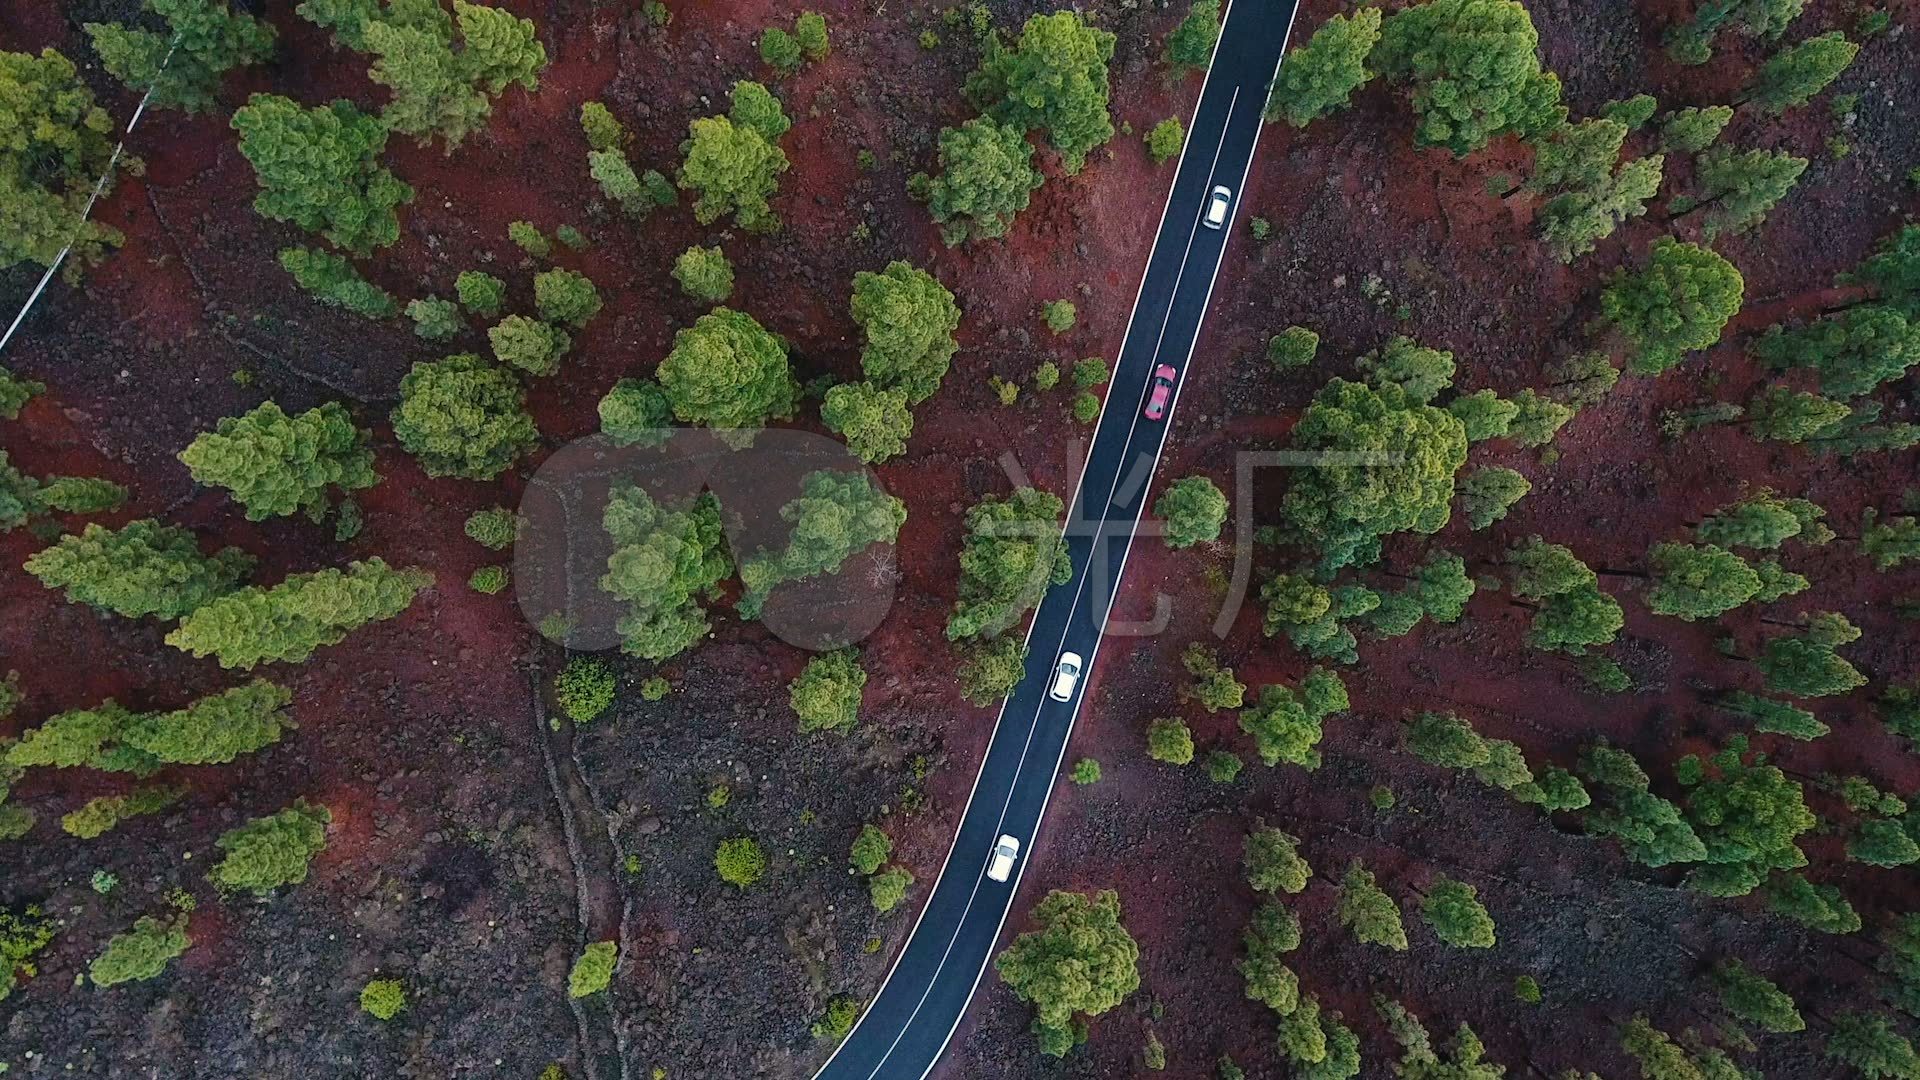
(337, 283)
(276, 464)
(1487, 493)
(1691, 130)
(1807, 664)
(204, 40)
(272, 851)
(58, 144)
(463, 417)
(1852, 352)
(704, 274)
(1319, 78)
(286, 622)
(142, 568)
(1055, 78)
(826, 695)
(436, 89)
(1681, 301)
(319, 168)
(986, 177)
(1474, 71)
(1754, 999)
(909, 319)
(876, 423)
(664, 559)
(1193, 509)
(216, 729)
(1698, 581)
(141, 953)
(1012, 553)
(732, 169)
(1747, 813)
(1369, 912)
(1272, 861)
(1738, 187)
(528, 344)
(838, 515)
(1286, 723)
(1080, 962)
(1458, 918)
(636, 412)
(729, 372)
(1190, 46)
(1764, 521)
(1692, 43)
(1797, 72)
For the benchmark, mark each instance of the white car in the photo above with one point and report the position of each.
(1217, 206)
(1004, 854)
(1066, 676)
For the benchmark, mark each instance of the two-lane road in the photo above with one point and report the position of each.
(904, 1030)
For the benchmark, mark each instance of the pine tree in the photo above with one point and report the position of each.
(1318, 78)
(1369, 912)
(272, 851)
(204, 40)
(143, 568)
(276, 464)
(286, 622)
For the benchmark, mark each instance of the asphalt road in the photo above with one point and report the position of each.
(908, 1024)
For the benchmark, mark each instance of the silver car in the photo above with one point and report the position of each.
(1217, 206)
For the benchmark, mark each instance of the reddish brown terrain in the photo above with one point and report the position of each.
(475, 849)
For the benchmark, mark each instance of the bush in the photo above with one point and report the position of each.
(729, 372)
(733, 169)
(876, 423)
(1165, 140)
(986, 177)
(1086, 771)
(779, 49)
(333, 281)
(838, 1021)
(488, 580)
(1190, 46)
(989, 671)
(480, 293)
(141, 953)
(810, 32)
(564, 296)
(1292, 348)
(1046, 376)
(1012, 553)
(275, 464)
(1223, 766)
(704, 274)
(528, 238)
(1169, 740)
(462, 417)
(529, 344)
(870, 849)
(383, 999)
(593, 970)
(101, 815)
(826, 695)
(143, 568)
(740, 862)
(1056, 78)
(1369, 912)
(1272, 861)
(22, 937)
(603, 132)
(584, 689)
(435, 319)
(318, 169)
(636, 413)
(493, 528)
(1193, 509)
(272, 851)
(1086, 407)
(888, 889)
(1059, 315)
(288, 621)
(1458, 918)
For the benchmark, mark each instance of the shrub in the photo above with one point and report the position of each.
(1193, 509)
(480, 293)
(1292, 348)
(870, 849)
(664, 616)
(655, 688)
(435, 319)
(1272, 861)
(288, 621)
(826, 695)
(888, 889)
(779, 49)
(603, 132)
(275, 464)
(837, 1023)
(383, 999)
(1169, 740)
(1165, 139)
(101, 815)
(876, 423)
(1055, 78)
(584, 689)
(740, 861)
(141, 953)
(564, 296)
(493, 528)
(142, 568)
(488, 580)
(1086, 771)
(22, 937)
(593, 970)
(1223, 766)
(704, 274)
(1458, 918)
(1086, 407)
(636, 413)
(318, 168)
(1012, 553)
(733, 169)
(333, 281)
(528, 238)
(1059, 315)
(1680, 302)
(810, 32)
(272, 851)
(1369, 912)
(462, 417)
(204, 40)
(529, 344)
(1046, 376)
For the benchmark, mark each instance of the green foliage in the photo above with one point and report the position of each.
(754, 108)
(614, 174)
(1692, 43)
(992, 668)
(1820, 907)
(603, 132)
(1807, 665)
(435, 318)
(1293, 347)
(15, 392)
(1573, 620)
(704, 274)
(22, 937)
(1090, 372)
(1871, 1045)
(383, 999)
(837, 1023)
(1190, 45)
(272, 851)
(1369, 912)
(664, 559)
(58, 143)
(1747, 814)
(1774, 717)
(810, 32)
(1445, 740)
(1343, 509)
(288, 621)
(1165, 139)
(887, 890)
(1487, 493)
(529, 239)
(564, 296)
(1453, 910)
(1059, 317)
(1421, 372)
(584, 689)
(529, 344)
(1796, 73)
(1577, 156)
(1764, 521)
(1737, 187)
(1474, 71)
(319, 168)
(463, 417)
(1692, 130)
(1484, 414)
(213, 730)
(1889, 543)
(740, 862)
(204, 40)
(1319, 78)
(275, 464)
(1012, 553)
(593, 970)
(1792, 416)
(493, 528)
(1680, 302)
(1852, 352)
(986, 177)
(1214, 686)
(1285, 722)
(1272, 861)
(1883, 843)
(1698, 581)
(1634, 112)
(333, 281)
(101, 815)
(870, 849)
(836, 516)
(488, 580)
(875, 422)
(1080, 962)
(1054, 78)
(909, 319)
(142, 568)
(1574, 220)
(826, 695)
(733, 169)
(140, 953)
(1086, 771)
(436, 90)
(779, 49)
(1169, 740)
(636, 412)
(729, 372)
(1194, 509)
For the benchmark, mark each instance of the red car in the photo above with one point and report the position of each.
(1161, 393)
